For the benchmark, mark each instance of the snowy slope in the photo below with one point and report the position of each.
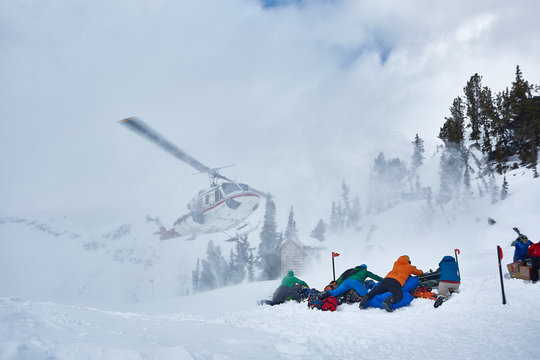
(72, 294)
(226, 324)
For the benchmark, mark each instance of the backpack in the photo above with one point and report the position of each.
(331, 286)
(424, 292)
(346, 274)
(330, 304)
(349, 297)
(309, 293)
(315, 303)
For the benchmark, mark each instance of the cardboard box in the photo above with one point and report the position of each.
(513, 269)
(525, 272)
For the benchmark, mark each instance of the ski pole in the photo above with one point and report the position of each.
(456, 251)
(500, 256)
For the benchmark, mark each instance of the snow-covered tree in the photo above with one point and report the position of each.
(291, 232)
(269, 256)
(214, 273)
(387, 183)
(319, 231)
(239, 260)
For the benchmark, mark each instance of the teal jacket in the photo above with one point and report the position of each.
(290, 280)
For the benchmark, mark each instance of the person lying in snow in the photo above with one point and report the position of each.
(355, 281)
(449, 280)
(290, 289)
(392, 283)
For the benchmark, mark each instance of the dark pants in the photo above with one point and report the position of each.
(535, 263)
(284, 293)
(386, 285)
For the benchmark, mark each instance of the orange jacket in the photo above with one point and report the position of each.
(402, 269)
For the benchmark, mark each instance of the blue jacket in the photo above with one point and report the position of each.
(449, 269)
(410, 285)
(521, 250)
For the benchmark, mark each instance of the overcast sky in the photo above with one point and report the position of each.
(298, 96)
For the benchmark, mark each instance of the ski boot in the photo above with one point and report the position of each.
(439, 301)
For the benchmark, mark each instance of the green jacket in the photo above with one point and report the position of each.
(290, 280)
(361, 276)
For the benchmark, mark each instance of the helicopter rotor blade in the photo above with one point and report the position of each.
(138, 126)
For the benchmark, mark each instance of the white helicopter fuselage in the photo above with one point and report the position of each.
(218, 209)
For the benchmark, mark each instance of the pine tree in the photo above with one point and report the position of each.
(418, 154)
(451, 173)
(336, 219)
(214, 273)
(319, 231)
(291, 233)
(504, 191)
(356, 212)
(453, 129)
(346, 204)
(239, 260)
(269, 256)
(387, 182)
(195, 277)
(473, 91)
(251, 266)
(487, 116)
(501, 130)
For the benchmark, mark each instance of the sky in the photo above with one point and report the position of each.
(298, 95)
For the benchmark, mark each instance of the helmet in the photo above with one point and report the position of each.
(290, 273)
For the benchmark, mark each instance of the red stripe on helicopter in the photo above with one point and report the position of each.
(232, 197)
(215, 205)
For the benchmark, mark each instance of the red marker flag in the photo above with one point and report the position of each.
(334, 254)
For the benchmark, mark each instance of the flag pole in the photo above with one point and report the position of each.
(456, 252)
(334, 254)
(500, 256)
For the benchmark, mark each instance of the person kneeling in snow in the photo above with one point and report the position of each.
(290, 289)
(354, 281)
(449, 280)
(521, 244)
(393, 283)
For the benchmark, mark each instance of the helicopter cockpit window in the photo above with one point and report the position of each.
(229, 188)
(244, 187)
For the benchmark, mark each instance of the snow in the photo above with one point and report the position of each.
(63, 298)
(472, 324)
(301, 99)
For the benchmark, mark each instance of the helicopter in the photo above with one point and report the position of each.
(223, 206)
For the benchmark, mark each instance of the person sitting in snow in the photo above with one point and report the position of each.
(534, 252)
(356, 281)
(522, 243)
(290, 289)
(449, 281)
(393, 283)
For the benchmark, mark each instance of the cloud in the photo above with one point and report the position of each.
(298, 97)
